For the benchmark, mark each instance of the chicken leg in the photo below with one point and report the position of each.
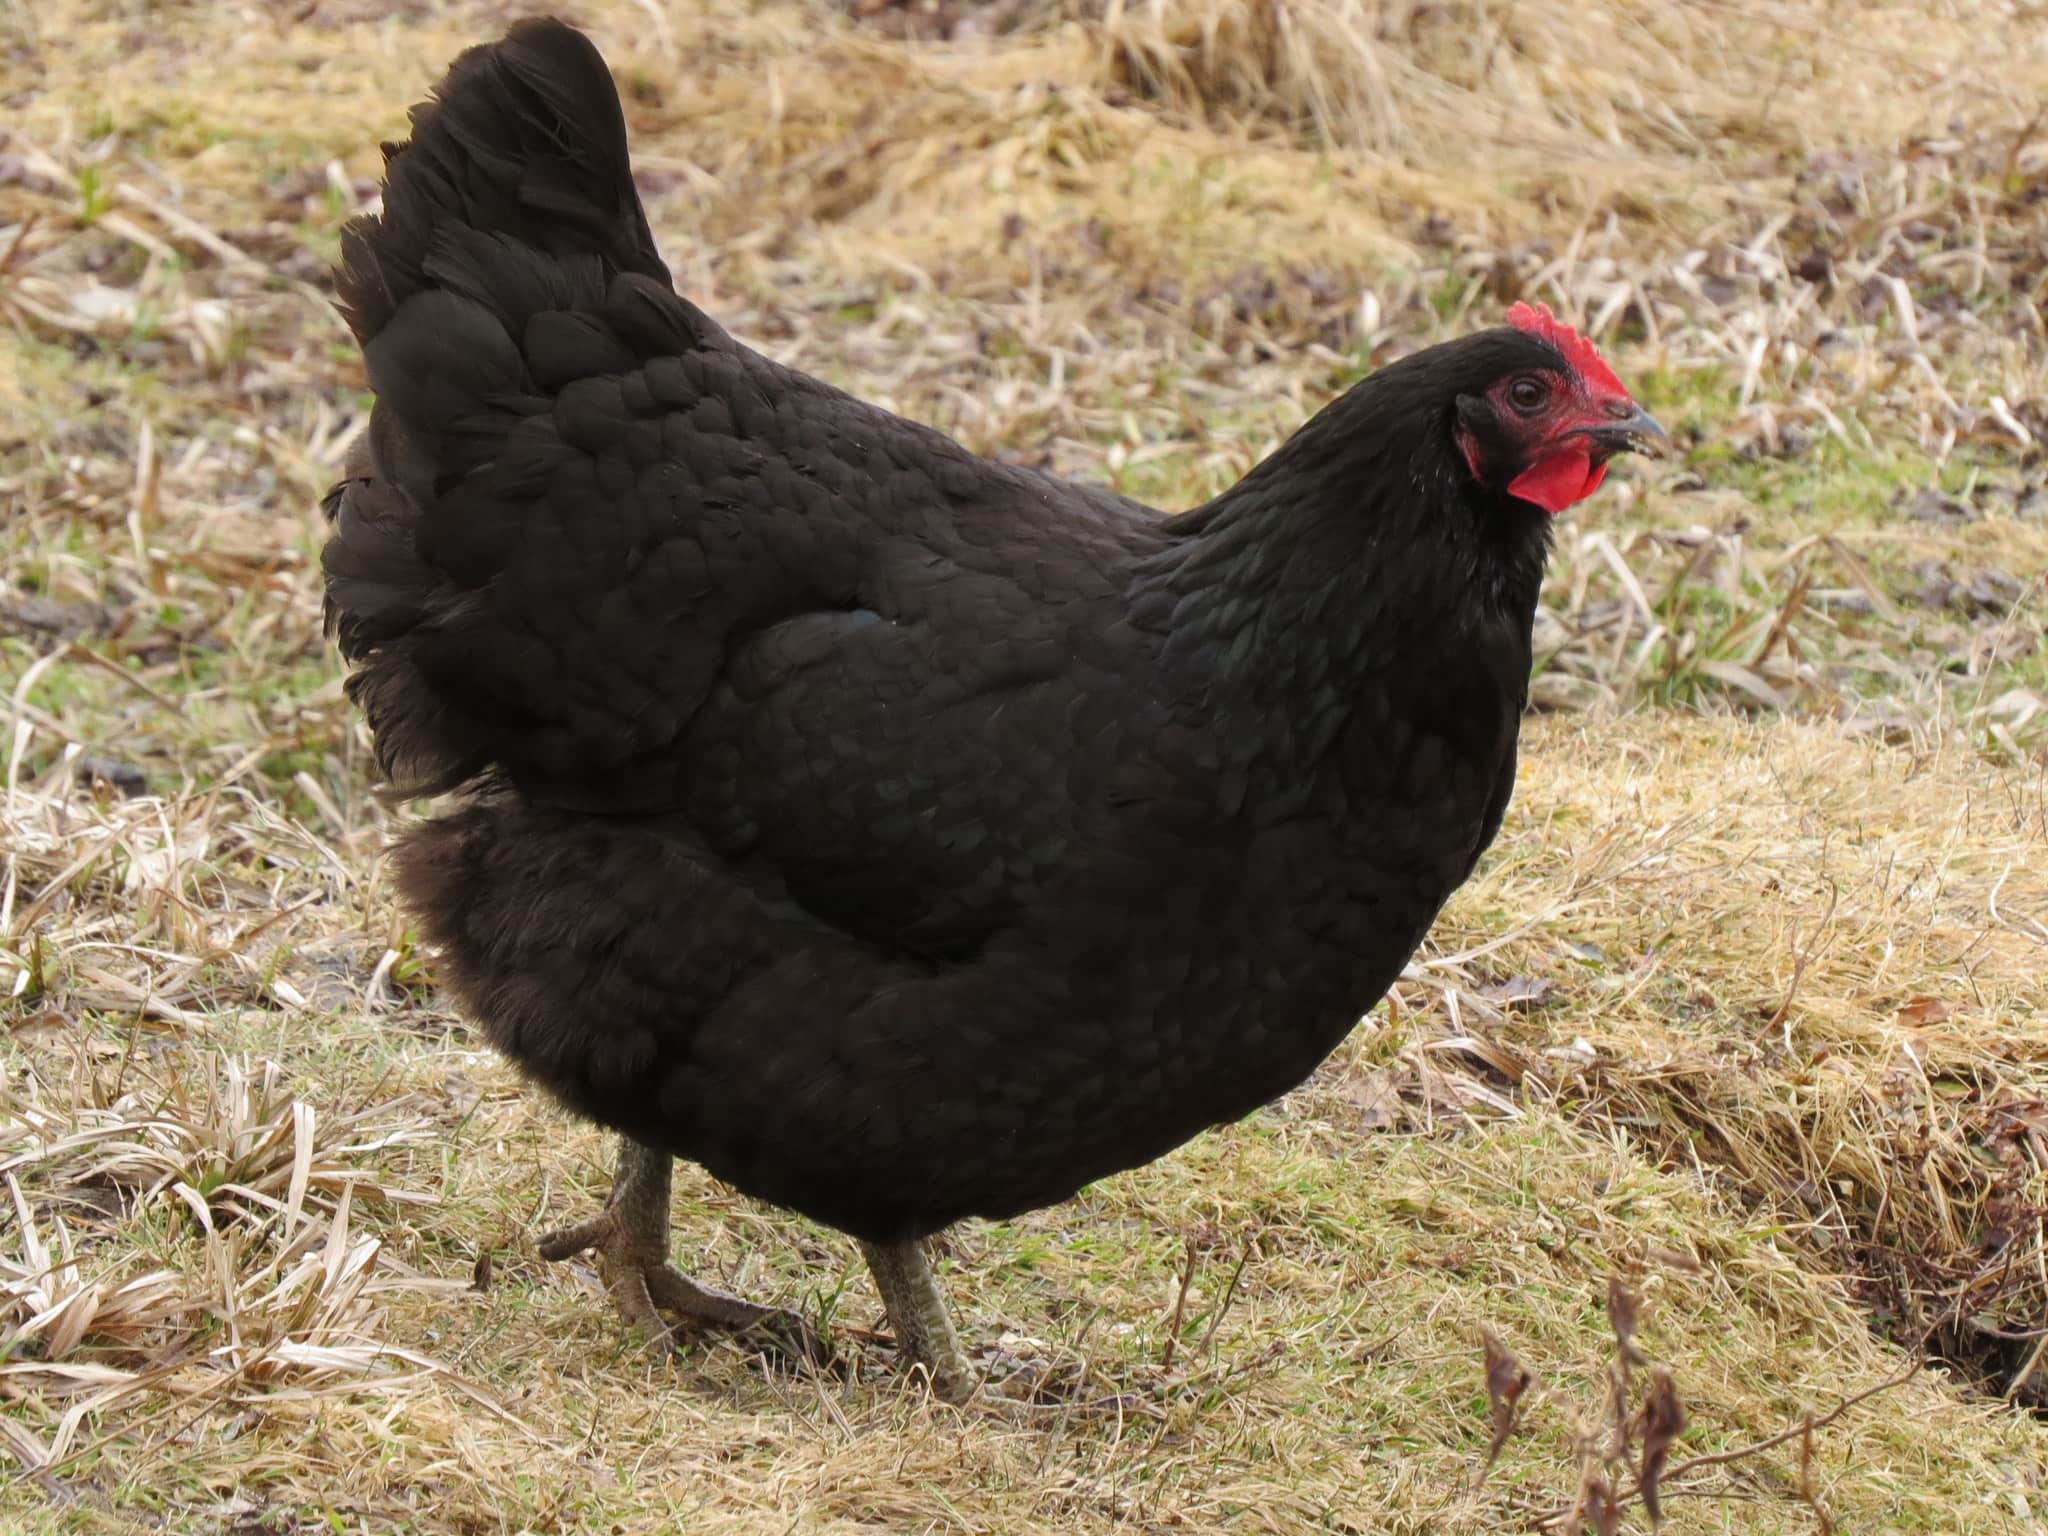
(924, 1332)
(631, 1233)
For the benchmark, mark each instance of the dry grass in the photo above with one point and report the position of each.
(1547, 85)
(1743, 1011)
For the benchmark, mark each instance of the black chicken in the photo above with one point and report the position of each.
(901, 836)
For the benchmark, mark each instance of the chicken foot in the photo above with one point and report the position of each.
(924, 1330)
(926, 1342)
(631, 1233)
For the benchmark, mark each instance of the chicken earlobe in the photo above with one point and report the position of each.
(631, 1234)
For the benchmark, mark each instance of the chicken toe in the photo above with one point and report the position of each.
(631, 1235)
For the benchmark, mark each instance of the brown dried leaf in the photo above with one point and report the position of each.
(1507, 1380)
(1922, 1012)
(1602, 1507)
(1377, 1097)
(1528, 992)
(1597, 1504)
(1662, 1421)
(1623, 1312)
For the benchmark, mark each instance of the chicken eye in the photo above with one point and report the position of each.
(1527, 393)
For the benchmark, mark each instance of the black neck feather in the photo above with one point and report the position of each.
(1363, 543)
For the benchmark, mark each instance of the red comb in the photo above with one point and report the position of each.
(1537, 320)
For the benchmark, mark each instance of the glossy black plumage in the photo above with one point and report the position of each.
(900, 835)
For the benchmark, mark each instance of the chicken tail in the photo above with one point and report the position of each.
(520, 153)
(511, 260)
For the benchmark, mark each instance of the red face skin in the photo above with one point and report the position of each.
(1547, 412)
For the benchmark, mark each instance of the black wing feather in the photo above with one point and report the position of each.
(599, 550)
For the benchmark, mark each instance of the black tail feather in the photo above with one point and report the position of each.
(508, 220)
(519, 153)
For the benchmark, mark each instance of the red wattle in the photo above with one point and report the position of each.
(1556, 481)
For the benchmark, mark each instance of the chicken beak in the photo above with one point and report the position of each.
(1637, 432)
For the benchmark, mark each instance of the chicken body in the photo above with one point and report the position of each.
(899, 835)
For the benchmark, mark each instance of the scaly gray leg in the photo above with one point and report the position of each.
(924, 1331)
(631, 1233)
